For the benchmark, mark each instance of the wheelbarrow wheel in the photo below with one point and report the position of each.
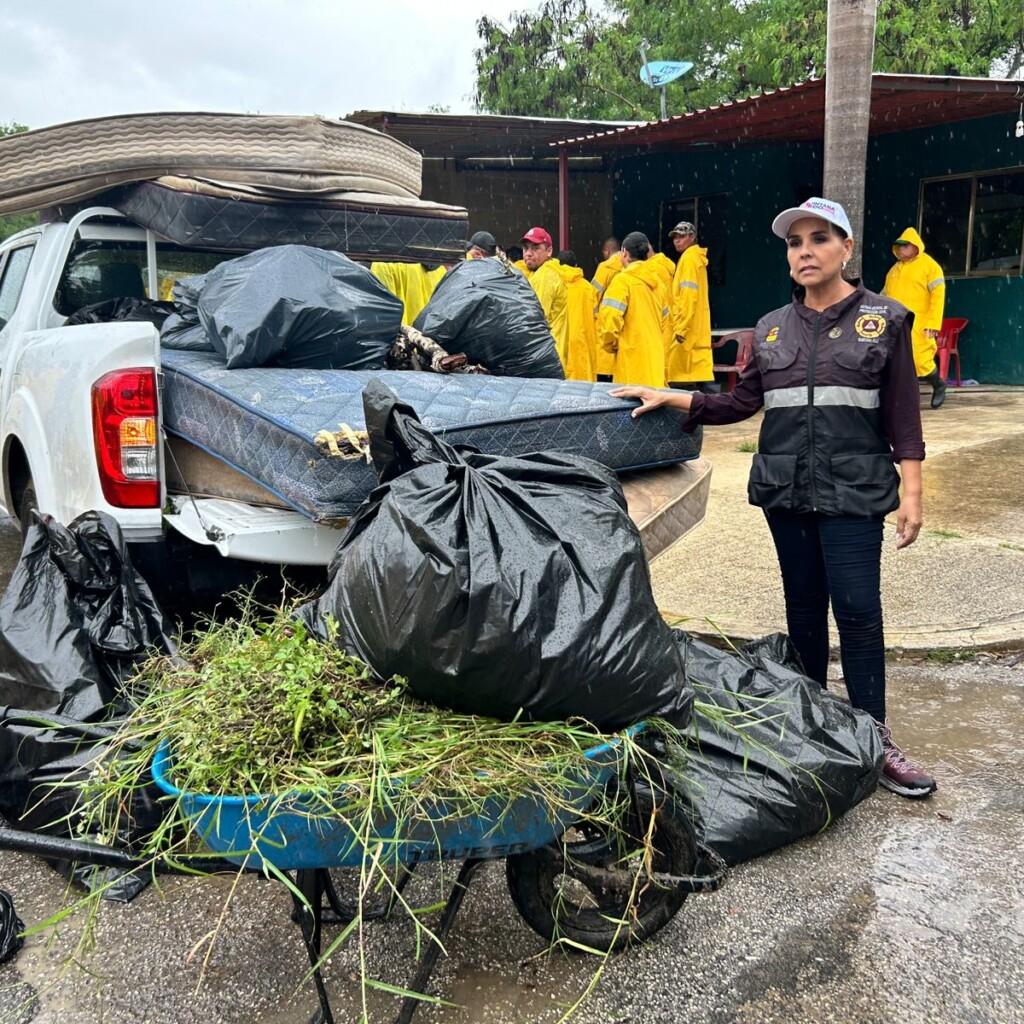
(588, 889)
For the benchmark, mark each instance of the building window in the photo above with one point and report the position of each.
(709, 215)
(974, 224)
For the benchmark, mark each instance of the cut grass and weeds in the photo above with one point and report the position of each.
(749, 447)
(946, 534)
(256, 706)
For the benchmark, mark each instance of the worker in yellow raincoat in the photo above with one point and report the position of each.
(917, 281)
(411, 283)
(610, 265)
(582, 351)
(688, 358)
(629, 323)
(546, 280)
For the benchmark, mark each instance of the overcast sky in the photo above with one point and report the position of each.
(61, 60)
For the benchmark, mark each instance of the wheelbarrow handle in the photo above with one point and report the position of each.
(59, 848)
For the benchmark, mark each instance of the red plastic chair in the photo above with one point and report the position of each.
(949, 345)
(744, 350)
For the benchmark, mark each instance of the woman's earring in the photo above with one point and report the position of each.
(844, 263)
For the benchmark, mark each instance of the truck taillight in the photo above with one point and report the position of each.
(124, 417)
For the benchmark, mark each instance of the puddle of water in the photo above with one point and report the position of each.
(962, 490)
(940, 869)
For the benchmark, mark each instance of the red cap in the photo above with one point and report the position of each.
(538, 236)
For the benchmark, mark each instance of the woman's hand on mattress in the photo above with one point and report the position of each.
(653, 398)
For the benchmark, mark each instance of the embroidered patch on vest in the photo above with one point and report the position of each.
(836, 332)
(870, 327)
(772, 335)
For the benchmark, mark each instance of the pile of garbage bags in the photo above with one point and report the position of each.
(489, 312)
(499, 586)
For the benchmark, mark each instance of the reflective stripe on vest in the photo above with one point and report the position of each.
(615, 304)
(789, 398)
(932, 285)
(689, 284)
(596, 286)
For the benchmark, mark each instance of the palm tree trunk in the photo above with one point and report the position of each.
(851, 49)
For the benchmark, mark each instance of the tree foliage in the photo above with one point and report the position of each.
(579, 58)
(14, 222)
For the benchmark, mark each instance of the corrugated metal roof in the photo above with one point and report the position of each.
(797, 113)
(469, 136)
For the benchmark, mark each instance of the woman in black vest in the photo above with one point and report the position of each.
(834, 372)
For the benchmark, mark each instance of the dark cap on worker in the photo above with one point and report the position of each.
(637, 244)
(684, 228)
(483, 240)
(538, 236)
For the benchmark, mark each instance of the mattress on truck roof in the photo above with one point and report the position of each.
(262, 422)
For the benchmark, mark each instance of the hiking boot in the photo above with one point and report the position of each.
(899, 774)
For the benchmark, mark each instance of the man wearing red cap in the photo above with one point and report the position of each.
(546, 280)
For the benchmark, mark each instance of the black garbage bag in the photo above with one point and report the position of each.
(182, 329)
(293, 305)
(809, 759)
(43, 759)
(489, 312)
(139, 310)
(500, 584)
(74, 620)
(11, 928)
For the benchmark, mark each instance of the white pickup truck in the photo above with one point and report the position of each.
(80, 424)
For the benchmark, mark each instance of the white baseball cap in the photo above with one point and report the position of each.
(826, 209)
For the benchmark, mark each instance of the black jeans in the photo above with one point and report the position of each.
(835, 559)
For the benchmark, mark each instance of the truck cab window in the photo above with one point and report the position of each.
(98, 271)
(15, 270)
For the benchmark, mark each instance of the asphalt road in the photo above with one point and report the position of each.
(901, 912)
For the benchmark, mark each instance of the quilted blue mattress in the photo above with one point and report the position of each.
(262, 422)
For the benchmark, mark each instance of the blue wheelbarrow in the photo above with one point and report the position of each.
(567, 876)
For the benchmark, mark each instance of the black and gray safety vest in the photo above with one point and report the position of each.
(823, 446)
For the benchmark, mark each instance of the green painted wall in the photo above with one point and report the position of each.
(762, 180)
(759, 182)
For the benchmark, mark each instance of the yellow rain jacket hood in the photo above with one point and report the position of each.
(547, 282)
(919, 285)
(582, 351)
(629, 324)
(411, 283)
(688, 353)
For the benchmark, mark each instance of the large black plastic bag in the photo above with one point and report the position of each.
(44, 758)
(74, 619)
(490, 312)
(499, 584)
(293, 305)
(113, 310)
(809, 759)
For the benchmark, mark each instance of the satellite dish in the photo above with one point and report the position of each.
(658, 73)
